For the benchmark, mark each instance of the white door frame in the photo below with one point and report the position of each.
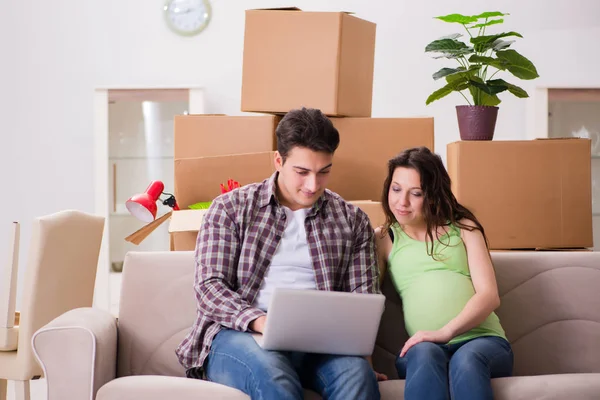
(101, 175)
(537, 109)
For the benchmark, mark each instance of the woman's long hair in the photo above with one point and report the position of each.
(440, 207)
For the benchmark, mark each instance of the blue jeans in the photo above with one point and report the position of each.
(457, 371)
(237, 361)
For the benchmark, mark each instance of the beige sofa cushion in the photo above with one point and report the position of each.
(152, 387)
(156, 311)
(546, 387)
(550, 310)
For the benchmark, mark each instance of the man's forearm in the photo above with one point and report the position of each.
(227, 308)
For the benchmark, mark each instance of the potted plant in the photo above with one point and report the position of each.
(478, 62)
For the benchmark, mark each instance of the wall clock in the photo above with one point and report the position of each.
(187, 17)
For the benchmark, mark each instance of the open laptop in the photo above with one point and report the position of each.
(318, 321)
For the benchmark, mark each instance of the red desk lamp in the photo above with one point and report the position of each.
(143, 205)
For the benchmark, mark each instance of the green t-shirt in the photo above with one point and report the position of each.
(434, 291)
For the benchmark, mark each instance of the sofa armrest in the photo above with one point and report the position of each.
(77, 352)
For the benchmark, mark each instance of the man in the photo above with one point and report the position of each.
(287, 231)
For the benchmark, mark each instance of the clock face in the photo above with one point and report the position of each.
(187, 17)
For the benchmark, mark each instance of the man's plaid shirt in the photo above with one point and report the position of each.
(236, 242)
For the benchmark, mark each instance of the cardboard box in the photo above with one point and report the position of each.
(373, 209)
(216, 135)
(184, 224)
(183, 229)
(321, 60)
(366, 145)
(198, 179)
(531, 194)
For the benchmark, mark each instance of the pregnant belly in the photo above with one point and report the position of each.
(434, 299)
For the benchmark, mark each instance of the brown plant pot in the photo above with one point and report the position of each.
(476, 122)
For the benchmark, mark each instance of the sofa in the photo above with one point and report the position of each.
(550, 309)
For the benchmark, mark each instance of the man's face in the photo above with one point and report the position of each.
(302, 177)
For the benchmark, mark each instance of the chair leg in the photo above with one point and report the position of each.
(3, 389)
(22, 391)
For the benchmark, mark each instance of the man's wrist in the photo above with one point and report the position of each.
(257, 324)
(246, 317)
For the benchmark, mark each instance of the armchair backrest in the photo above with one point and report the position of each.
(61, 272)
(8, 294)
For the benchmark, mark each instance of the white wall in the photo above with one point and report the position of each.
(54, 53)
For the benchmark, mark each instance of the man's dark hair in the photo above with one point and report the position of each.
(309, 128)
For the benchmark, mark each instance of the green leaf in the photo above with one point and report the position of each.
(490, 22)
(454, 74)
(451, 36)
(203, 205)
(445, 91)
(454, 55)
(483, 43)
(457, 18)
(489, 89)
(501, 44)
(517, 91)
(439, 94)
(462, 75)
(494, 62)
(518, 65)
(481, 98)
(489, 14)
(478, 89)
(446, 71)
(446, 45)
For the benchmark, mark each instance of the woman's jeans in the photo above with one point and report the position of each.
(460, 371)
(237, 361)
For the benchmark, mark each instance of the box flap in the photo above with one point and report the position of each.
(206, 135)
(199, 179)
(563, 138)
(276, 9)
(202, 115)
(292, 9)
(186, 220)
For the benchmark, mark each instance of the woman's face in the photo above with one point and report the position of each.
(406, 197)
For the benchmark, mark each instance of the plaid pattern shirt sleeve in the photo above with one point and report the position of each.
(362, 275)
(217, 257)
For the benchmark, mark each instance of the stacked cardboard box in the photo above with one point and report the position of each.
(209, 150)
(532, 194)
(295, 59)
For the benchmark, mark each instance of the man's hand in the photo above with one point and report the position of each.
(380, 376)
(258, 325)
(440, 336)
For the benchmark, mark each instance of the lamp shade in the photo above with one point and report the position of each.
(143, 205)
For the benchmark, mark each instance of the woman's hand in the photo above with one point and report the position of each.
(440, 336)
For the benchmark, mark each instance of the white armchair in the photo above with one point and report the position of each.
(60, 276)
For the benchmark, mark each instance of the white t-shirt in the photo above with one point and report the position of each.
(291, 267)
